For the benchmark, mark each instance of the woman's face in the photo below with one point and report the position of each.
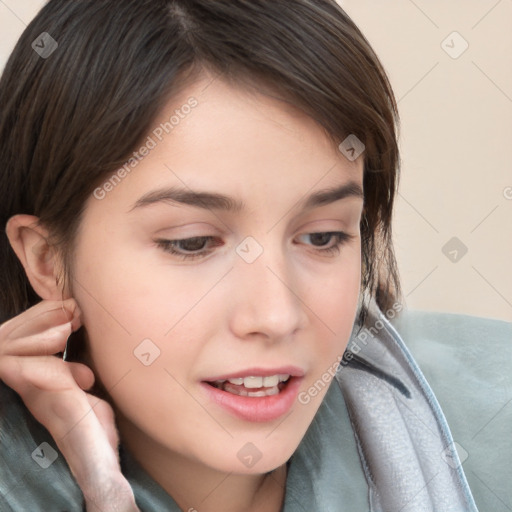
(264, 296)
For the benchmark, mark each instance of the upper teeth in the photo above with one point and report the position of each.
(259, 382)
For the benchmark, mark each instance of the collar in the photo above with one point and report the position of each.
(406, 448)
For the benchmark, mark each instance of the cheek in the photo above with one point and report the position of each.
(129, 308)
(333, 301)
(335, 291)
(142, 344)
(147, 324)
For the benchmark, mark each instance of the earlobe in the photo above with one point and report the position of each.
(29, 241)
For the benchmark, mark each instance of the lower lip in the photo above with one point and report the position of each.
(256, 409)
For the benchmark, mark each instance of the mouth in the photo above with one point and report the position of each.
(253, 386)
(256, 395)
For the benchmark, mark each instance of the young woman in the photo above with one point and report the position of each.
(197, 198)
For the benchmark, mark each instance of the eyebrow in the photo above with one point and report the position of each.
(217, 201)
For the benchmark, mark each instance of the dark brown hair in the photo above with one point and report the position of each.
(70, 120)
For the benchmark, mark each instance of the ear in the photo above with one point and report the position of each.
(40, 260)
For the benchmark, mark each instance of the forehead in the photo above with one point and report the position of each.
(231, 117)
(216, 136)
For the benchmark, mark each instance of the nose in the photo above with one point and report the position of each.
(267, 300)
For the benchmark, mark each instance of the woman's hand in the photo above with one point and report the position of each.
(54, 391)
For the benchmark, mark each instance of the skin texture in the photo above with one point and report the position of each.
(217, 314)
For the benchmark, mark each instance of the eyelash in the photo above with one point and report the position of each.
(169, 245)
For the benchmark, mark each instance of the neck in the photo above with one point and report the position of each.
(199, 488)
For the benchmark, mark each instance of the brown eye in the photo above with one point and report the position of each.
(321, 239)
(187, 248)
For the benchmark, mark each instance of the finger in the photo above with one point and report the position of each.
(82, 374)
(49, 390)
(41, 317)
(55, 313)
(33, 374)
(49, 342)
(29, 375)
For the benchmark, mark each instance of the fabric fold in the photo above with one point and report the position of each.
(406, 448)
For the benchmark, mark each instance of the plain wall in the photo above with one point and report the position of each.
(456, 142)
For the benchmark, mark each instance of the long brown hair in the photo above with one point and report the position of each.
(69, 119)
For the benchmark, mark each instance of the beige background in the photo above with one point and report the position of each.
(456, 140)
